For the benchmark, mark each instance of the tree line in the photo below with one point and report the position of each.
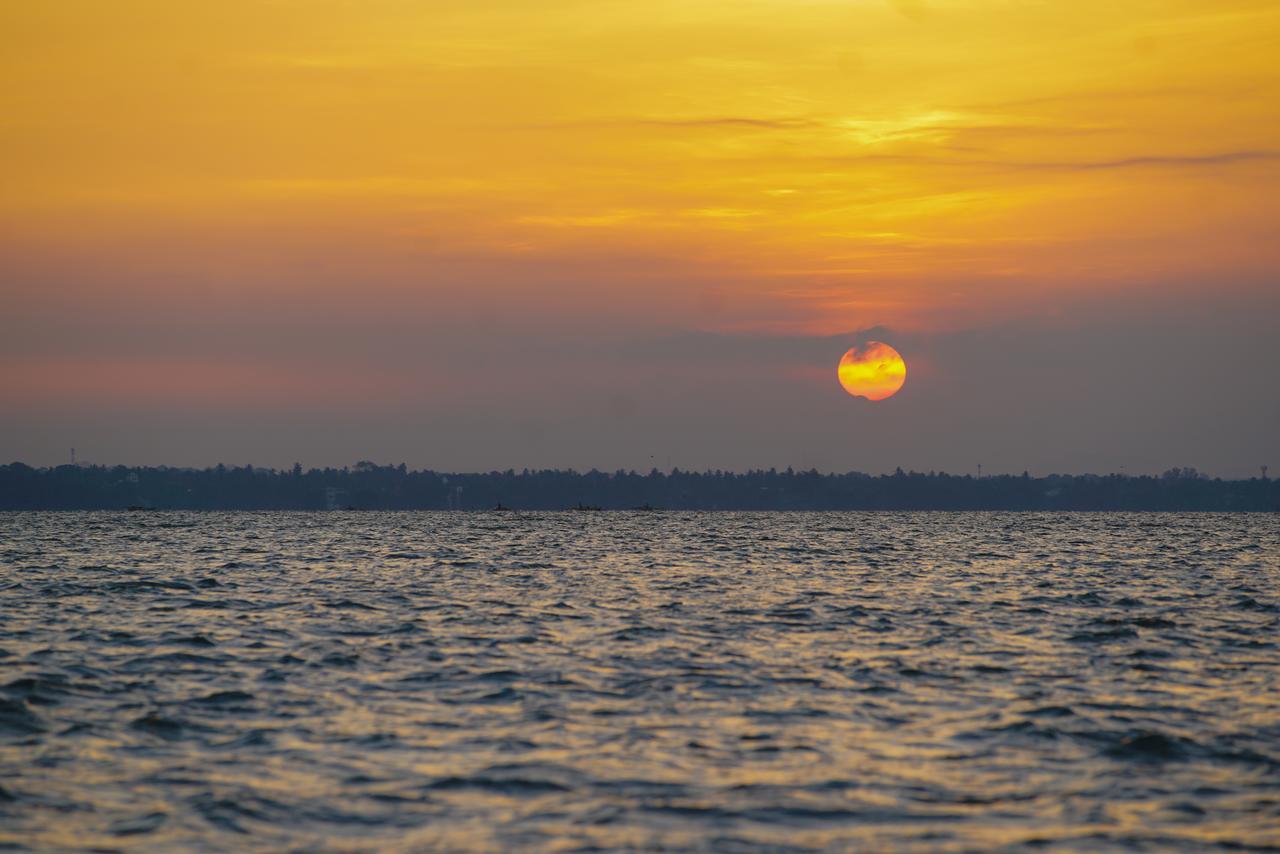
(369, 486)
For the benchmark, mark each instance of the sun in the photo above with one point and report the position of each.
(873, 370)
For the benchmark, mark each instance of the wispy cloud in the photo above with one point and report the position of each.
(936, 125)
(1223, 158)
(1219, 159)
(750, 347)
(710, 122)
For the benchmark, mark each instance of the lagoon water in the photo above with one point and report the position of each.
(674, 681)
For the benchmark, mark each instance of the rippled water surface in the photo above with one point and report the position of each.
(637, 681)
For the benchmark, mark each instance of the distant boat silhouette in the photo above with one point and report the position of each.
(140, 508)
(585, 507)
(646, 508)
(501, 508)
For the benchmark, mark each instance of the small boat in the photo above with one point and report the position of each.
(646, 508)
(588, 507)
(501, 508)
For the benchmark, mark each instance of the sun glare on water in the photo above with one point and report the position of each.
(873, 370)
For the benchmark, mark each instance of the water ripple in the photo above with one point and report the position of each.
(732, 681)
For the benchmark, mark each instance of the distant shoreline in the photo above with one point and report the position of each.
(664, 512)
(367, 486)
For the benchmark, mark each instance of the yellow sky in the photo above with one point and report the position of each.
(813, 164)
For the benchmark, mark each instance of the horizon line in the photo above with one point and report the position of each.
(368, 466)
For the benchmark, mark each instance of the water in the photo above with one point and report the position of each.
(680, 681)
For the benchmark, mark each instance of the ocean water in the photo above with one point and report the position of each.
(624, 681)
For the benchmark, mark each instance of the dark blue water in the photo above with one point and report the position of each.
(674, 681)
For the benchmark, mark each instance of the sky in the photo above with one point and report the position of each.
(481, 234)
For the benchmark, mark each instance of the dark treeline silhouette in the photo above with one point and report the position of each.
(367, 486)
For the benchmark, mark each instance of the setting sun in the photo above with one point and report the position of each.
(873, 370)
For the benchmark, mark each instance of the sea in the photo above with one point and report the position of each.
(662, 681)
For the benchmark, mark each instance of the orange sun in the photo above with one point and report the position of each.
(873, 370)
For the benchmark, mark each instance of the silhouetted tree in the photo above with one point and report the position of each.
(370, 486)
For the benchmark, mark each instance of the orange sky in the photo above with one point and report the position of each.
(757, 167)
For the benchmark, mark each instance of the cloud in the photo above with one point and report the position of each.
(1224, 158)
(919, 127)
(1135, 93)
(790, 123)
(1220, 159)
(754, 348)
